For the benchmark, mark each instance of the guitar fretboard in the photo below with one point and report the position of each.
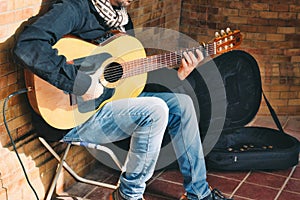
(166, 60)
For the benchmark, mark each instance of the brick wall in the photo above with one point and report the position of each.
(271, 35)
(271, 32)
(39, 164)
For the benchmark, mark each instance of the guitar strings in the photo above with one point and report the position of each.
(148, 61)
(153, 62)
(131, 69)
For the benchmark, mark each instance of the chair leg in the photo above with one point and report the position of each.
(63, 163)
(57, 173)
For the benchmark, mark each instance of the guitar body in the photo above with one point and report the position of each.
(54, 105)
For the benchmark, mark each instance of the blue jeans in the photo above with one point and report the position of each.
(145, 119)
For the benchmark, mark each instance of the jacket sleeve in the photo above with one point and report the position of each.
(34, 50)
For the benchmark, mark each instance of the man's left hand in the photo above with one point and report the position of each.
(188, 64)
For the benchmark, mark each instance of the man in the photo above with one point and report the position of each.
(145, 119)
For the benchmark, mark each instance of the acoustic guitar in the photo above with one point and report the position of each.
(121, 65)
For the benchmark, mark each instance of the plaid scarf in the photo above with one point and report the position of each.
(114, 18)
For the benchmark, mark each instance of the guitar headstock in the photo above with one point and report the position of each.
(227, 40)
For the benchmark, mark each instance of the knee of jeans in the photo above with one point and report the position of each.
(160, 110)
(154, 114)
(185, 101)
(184, 110)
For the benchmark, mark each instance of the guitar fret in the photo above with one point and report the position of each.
(168, 59)
(158, 61)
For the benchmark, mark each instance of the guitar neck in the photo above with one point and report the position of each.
(167, 60)
(115, 71)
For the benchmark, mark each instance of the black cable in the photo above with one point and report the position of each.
(11, 139)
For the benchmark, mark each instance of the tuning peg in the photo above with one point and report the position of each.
(223, 32)
(228, 30)
(217, 34)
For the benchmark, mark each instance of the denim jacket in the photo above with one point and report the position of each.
(34, 45)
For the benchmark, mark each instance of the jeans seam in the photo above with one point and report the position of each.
(189, 160)
(147, 154)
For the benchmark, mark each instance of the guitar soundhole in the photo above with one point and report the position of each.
(113, 72)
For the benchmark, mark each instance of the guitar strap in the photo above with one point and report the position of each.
(274, 116)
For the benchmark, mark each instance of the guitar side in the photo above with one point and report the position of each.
(54, 105)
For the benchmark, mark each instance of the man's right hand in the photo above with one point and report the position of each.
(95, 89)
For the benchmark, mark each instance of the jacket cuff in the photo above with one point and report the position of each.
(81, 83)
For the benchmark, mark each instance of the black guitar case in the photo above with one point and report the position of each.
(227, 93)
(239, 147)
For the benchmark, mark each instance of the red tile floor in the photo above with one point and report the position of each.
(248, 185)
